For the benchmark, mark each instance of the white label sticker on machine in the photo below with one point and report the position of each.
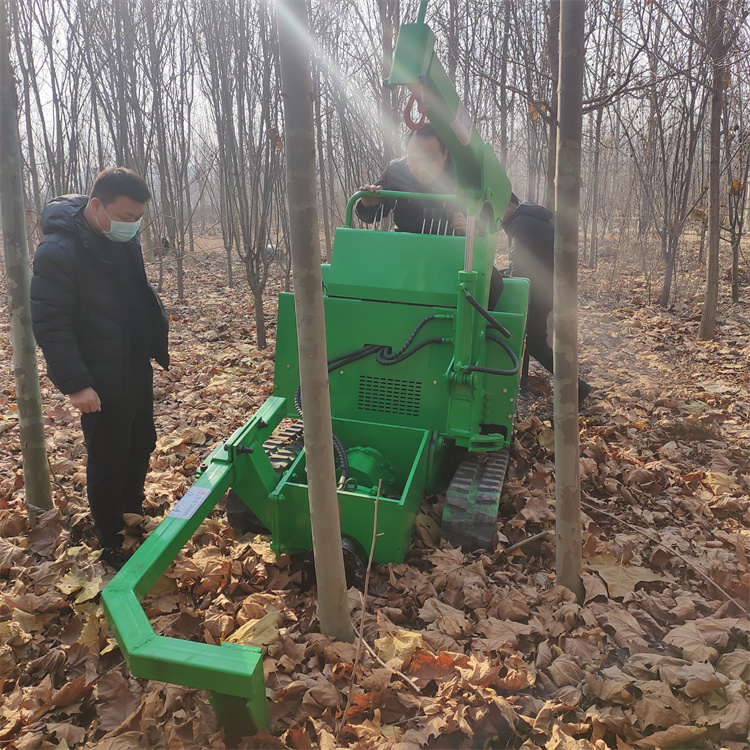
(461, 126)
(191, 501)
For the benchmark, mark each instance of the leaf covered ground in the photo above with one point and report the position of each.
(473, 651)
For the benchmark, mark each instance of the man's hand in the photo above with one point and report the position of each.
(458, 222)
(370, 200)
(86, 400)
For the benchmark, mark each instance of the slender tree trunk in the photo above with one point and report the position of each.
(452, 40)
(736, 270)
(148, 231)
(179, 258)
(331, 159)
(568, 196)
(225, 221)
(711, 299)
(666, 287)
(333, 608)
(554, 50)
(503, 84)
(595, 190)
(189, 201)
(30, 148)
(387, 9)
(260, 322)
(321, 166)
(28, 396)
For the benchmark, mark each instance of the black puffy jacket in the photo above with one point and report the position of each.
(412, 214)
(78, 308)
(531, 236)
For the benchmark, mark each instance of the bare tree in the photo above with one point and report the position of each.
(720, 41)
(28, 395)
(567, 200)
(664, 143)
(326, 531)
(737, 156)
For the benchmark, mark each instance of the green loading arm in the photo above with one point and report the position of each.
(478, 172)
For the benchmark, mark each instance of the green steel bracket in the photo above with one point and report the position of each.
(233, 673)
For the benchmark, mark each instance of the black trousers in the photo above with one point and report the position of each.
(496, 288)
(119, 441)
(537, 344)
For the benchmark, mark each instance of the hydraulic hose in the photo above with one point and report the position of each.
(492, 371)
(384, 354)
(384, 357)
(473, 302)
(353, 356)
(338, 446)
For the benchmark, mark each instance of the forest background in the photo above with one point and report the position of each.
(187, 92)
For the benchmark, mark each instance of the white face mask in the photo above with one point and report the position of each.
(119, 231)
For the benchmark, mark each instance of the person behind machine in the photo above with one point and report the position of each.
(426, 168)
(531, 238)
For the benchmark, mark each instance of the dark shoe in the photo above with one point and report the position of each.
(114, 557)
(584, 389)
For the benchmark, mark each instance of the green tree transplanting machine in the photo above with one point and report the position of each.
(423, 383)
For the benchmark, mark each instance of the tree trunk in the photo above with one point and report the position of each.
(225, 220)
(452, 40)
(711, 299)
(179, 257)
(568, 195)
(148, 230)
(30, 148)
(554, 49)
(333, 608)
(387, 10)
(260, 320)
(28, 396)
(595, 190)
(702, 246)
(321, 166)
(666, 287)
(503, 84)
(331, 159)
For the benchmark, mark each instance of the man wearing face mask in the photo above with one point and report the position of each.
(99, 323)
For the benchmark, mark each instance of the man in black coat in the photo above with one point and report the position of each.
(531, 237)
(99, 323)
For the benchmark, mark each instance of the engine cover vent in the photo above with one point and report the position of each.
(389, 395)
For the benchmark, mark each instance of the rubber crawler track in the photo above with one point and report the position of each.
(472, 500)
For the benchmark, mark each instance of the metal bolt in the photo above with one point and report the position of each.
(288, 367)
(512, 400)
(341, 372)
(505, 390)
(434, 382)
